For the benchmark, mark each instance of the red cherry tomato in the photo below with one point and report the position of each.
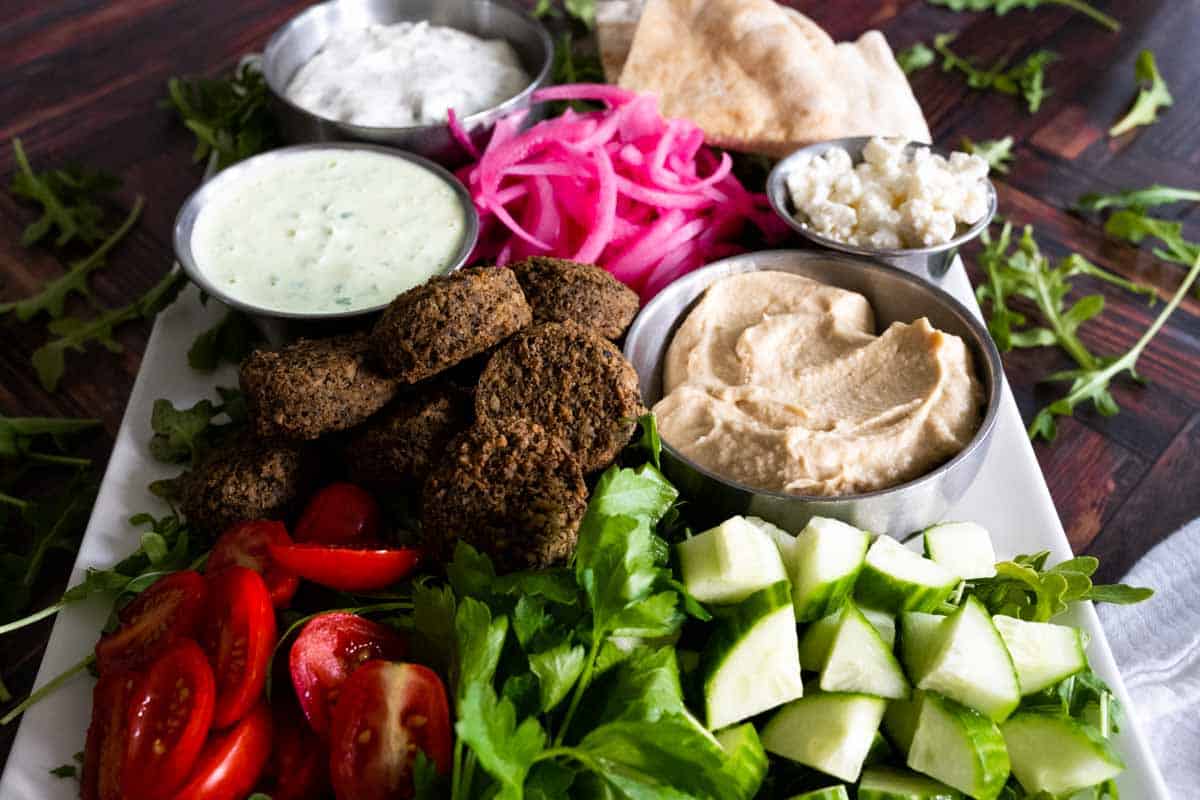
(341, 513)
(327, 650)
(232, 760)
(245, 545)
(170, 712)
(168, 610)
(105, 748)
(387, 712)
(299, 766)
(239, 636)
(350, 569)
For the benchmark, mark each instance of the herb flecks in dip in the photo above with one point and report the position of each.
(780, 383)
(328, 231)
(406, 74)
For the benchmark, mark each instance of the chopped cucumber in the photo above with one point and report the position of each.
(918, 632)
(828, 793)
(1057, 754)
(896, 579)
(859, 661)
(884, 622)
(784, 541)
(900, 722)
(884, 783)
(829, 732)
(970, 663)
(746, 761)
(824, 565)
(1043, 653)
(816, 641)
(729, 563)
(752, 662)
(881, 751)
(963, 548)
(959, 747)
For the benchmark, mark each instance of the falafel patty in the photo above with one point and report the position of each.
(571, 381)
(559, 290)
(313, 386)
(436, 325)
(403, 441)
(509, 489)
(247, 479)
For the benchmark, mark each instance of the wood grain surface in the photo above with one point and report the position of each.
(81, 80)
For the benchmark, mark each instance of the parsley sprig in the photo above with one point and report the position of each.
(1002, 7)
(228, 116)
(1152, 95)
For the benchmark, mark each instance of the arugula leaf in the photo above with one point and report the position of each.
(1153, 94)
(915, 58)
(227, 342)
(182, 436)
(996, 152)
(1139, 199)
(1002, 7)
(1026, 79)
(18, 434)
(229, 117)
(71, 200)
(1025, 589)
(1134, 226)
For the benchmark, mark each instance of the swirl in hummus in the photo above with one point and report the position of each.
(779, 382)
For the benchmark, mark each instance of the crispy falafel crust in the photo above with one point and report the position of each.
(559, 290)
(571, 381)
(449, 319)
(508, 489)
(313, 386)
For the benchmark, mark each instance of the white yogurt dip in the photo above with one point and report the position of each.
(327, 231)
(406, 74)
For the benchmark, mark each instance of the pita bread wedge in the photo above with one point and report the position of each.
(758, 77)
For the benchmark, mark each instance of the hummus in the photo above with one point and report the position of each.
(779, 382)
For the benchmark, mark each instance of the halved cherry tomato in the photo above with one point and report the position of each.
(105, 748)
(244, 544)
(170, 712)
(387, 712)
(239, 636)
(168, 610)
(232, 760)
(327, 650)
(350, 569)
(341, 513)
(299, 765)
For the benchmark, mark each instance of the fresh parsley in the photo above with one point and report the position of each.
(915, 58)
(1026, 79)
(996, 152)
(1002, 7)
(1152, 95)
(228, 116)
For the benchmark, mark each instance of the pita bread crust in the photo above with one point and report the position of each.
(759, 77)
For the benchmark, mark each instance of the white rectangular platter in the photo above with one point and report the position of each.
(1010, 498)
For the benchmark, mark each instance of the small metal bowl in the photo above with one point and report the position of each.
(932, 262)
(272, 320)
(299, 39)
(895, 296)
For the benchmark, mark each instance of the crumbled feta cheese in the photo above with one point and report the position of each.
(834, 220)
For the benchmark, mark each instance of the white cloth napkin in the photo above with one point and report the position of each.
(1157, 646)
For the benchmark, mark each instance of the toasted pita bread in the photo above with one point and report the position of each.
(758, 77)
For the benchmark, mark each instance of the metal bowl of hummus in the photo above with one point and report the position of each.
(386, 71)
(790, 384)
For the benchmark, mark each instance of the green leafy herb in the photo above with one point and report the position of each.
(71, 201)
(19, 435)
(1026, 79)
(572, 65)
(915, 58)
(582, 11)
(1134, 226)
(229, 117)
(1026, 589)
(182, 436)
(1002, 7)
(227, 342)
(69, 770)
(996, 152)
(1138, 199)
(1152, 96)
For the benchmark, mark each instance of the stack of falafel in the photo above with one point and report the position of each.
(494, 390)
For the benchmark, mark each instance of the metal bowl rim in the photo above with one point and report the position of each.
(777, 196)
(270, 52)
(993, 382)
(200, 197)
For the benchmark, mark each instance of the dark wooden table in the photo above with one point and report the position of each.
(81, 80)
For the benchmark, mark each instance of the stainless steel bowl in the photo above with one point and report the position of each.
(932, 262)
(895, 295)
(300, 38)
(269, 319)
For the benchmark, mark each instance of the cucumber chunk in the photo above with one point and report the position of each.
(746, 761)
(752, 662)
(1057, 754)
(859, 661)
(1043, 653)
(824, 566)
(881, 751)
(784, 541)
(885, 783)
(963, 548)
(828, 793)
(896, 579)
(970, 663)
(816, 641)
(959, 747)
(729, 563)
(829, 732)
(918, 632)
(900, 722)
(883, 622)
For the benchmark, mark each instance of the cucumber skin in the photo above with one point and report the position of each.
(829, 599)
(1102, 749)
(929, 681)
(877, 590)
(851, 614)
(746, 759)
(874, 785)
(992, 765)
(828, 793)
(816, 642)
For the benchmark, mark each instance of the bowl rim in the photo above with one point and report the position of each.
(780, 200)
(993, 380)
(511, 104)
(193, 206)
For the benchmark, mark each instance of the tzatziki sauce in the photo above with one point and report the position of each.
(327, 231)
(406, 74)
